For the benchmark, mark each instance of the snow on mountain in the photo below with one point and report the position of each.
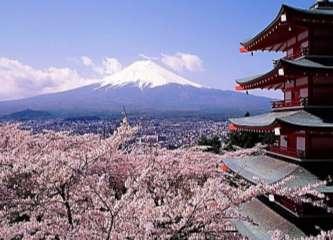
(145, 74)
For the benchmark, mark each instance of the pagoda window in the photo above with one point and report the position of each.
(288, 96)
(300, 143)
(283, 141)
(304, 92)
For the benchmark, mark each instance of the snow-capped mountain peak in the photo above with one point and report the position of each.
(143, 87)
(145, 74)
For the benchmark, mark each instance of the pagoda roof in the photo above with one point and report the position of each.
(265, 220)
(310, 118)
(252, 78)
(278, 30)
(269, 170)
(313, 62)
(260, 80)
(262, 120)
(306, 63)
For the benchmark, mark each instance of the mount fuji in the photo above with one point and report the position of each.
(142, 87)
(146, 74)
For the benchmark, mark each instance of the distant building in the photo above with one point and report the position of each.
(148, 139)
(302, 121)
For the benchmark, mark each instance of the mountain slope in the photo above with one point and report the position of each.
(142, 87)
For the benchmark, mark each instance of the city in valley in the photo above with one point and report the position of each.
(168, 132)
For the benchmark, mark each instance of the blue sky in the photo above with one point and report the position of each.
(44, 34)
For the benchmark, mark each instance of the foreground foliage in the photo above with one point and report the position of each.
(60, 186)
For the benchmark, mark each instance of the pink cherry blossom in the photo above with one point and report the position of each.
(62, 186)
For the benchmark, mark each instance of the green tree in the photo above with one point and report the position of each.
(248, 139)
(247, 114)
(214, 143)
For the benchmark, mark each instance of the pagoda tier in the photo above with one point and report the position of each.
(292, 31)
(269, 170)
(301, 119)
(285, 70)
(302, 135)
(267, 221)
(306, 81)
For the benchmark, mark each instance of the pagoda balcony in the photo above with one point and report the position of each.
(301, 102)
(287, 151)
(304, 51)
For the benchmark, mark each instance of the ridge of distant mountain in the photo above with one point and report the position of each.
(27, 114)
(142, 87)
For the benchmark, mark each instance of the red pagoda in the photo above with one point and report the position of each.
(302, 121)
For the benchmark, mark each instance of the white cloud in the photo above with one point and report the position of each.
(19, 80)
(183, 61)
(111, 65)
(87, 61)
(107, 67)
(143, 56)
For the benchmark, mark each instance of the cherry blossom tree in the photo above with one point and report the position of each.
(278, 235)
(62, 186)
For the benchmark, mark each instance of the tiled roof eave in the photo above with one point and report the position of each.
(290, 11)
(264, 128)
(266, 222)
(247, 43)
(297, 118)
(304, 125)
(305, 63)
(269, 170)
(258, 80)
(267, 120)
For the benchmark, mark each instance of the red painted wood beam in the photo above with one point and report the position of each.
(232, 127)
(239, 88)
(243, 49)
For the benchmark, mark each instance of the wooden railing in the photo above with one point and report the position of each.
(299, 53)
(284, 104)
(292, 152)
